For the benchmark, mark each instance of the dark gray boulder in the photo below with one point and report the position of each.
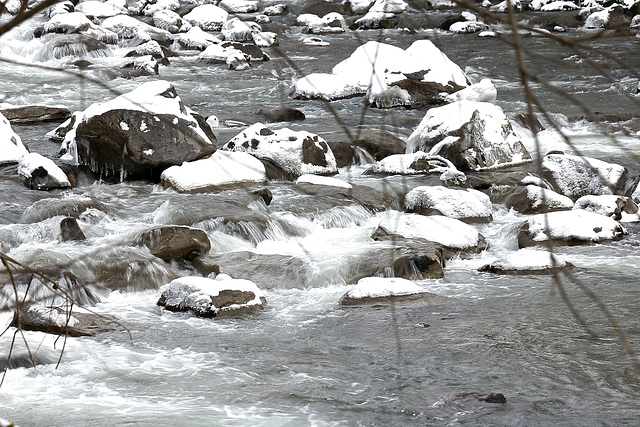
(138, 134)
(35, 113)
(175, 242)
(70, 230)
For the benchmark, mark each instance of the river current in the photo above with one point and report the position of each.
(305, 360)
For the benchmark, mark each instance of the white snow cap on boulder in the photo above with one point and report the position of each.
(380, 287)
(577, 176)
(11, 146)
(449, 232)
(211, 297)
(297, 153)
(619, 208)
(379, 64)
(49, 175)
(473, 135)
(464, 204)
(207, 16)
(525, 261)
(223, 168)
(571, 227)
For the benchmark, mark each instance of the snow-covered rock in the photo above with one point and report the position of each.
(296, 153)
(315, 41)
(94, 9)
(473, 135)
(468, 27)
(569, 227)
(221, 170)
(330, 23)
(11, 146)
(577, 176)
(239, 31)
(609, 205)
(66, 23)
(449, 232)
(556, 6)
(150, 8)
(466, 205)
(323, 180)
(239, 6)
(484, 91)
(41, 173)
(359, 7)
(170, 21)
(212, 297)
(235, 55)
(389, 6)
(207, 16)
(503, 6)
(75, 322)
(547, 200)
(380, 289)
(128, 27)
(377, 68)
(276, 9)
(197, 39)
(611, 17)
(417, 163)
(138, 133)
(376, 20)
(527, 261)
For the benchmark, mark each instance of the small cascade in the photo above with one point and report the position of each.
(343, 217)
(362, 157)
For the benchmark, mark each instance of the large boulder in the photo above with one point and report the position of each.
(467, 205)
(326, 189)
(527, 261)
(577, 176)
(127, 27)
(175, 242)
(212, 297)
(388, 75)
(574, 227)
(207, 16)
(11, 146)
(223, 169)
(137, 134)
(472, 135)
(296, 153)
(381, 290)
(451, 233)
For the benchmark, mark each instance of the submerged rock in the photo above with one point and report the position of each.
(212, 297)
(527, 261)
(472, 135)
(70, 230)
(381, 290)
(76, 322)
(176, 242)
(268, 271)
(574, 227)
(530, 199)
(137, 134)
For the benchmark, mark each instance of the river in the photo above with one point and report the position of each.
(306, 360)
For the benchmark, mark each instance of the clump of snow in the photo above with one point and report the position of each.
(196, 38)
(99, 10)
(128, 27)
(323, 180)
(222, 168)
(448, 232)
(330, 23)
(284, 147)
(11, 146)
(389, 6)
(559, 6)
(32, 161)
(468, 27)
(239, 6)
(380, 287)
(574, 225)
(450, 202)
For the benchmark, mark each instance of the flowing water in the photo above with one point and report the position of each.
(305, 360)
